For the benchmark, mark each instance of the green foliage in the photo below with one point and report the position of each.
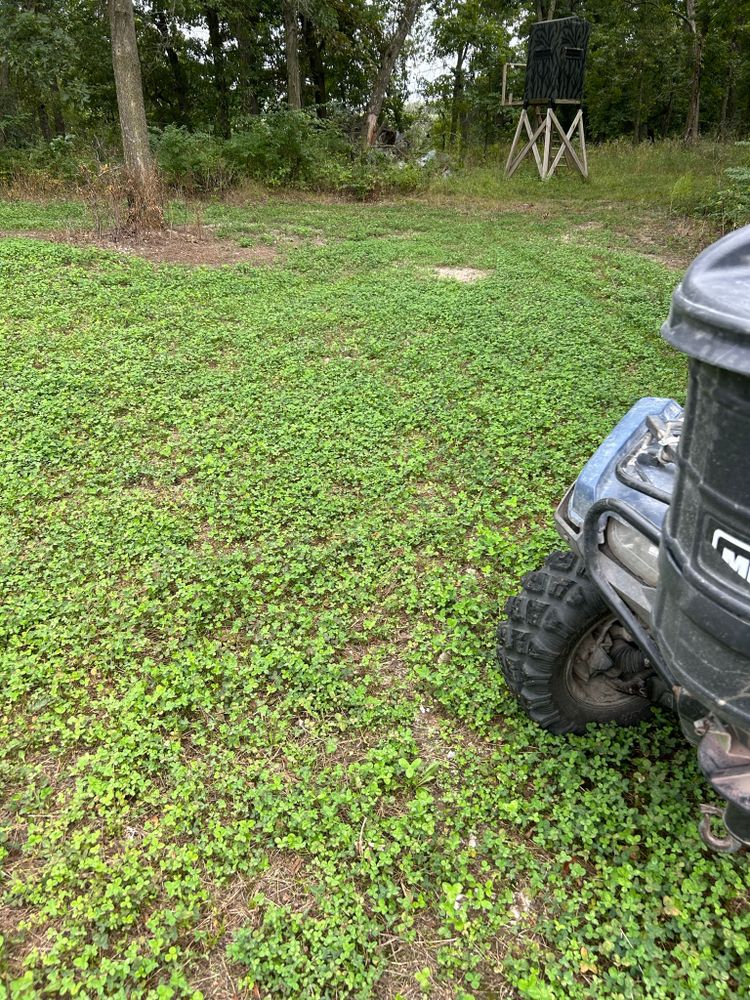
(255, 528)
(730, 205)
(62, 161)
(284, 149)
(44, 68)
(318, 956)
(57, 74)
(287, 148)
(192, 160)
(683, 192)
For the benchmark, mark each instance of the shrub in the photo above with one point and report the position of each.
(63, 160)
(683, 197)
(296, 149)
(287, 147)
(12, 163)
(280, 149)
(730, 205)
(373, 176)
(193, 160)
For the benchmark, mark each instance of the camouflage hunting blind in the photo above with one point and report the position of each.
(556, 62)
(554, 76)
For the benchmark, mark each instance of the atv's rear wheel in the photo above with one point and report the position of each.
(555, 651)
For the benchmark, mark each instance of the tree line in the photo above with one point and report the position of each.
(203, 66)
(656, 67)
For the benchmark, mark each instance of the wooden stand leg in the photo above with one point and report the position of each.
(546, 163)
(544, 172)
(566, 147)
(582, 139)
(513, 145)
(515, 158)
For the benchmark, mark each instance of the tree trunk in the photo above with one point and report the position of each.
(549, 13)
(692, 123)
(458, 91)
(248, 59)
(314, 52)
(57, 109)
(143, 194)
(638, 110)
(667, 120)
(464, 131)
(387, 63)
(216, 44)
(175, 67)
(291, 44)
(727, 101)
(59, 120)
(724, 107)
(6, 98)
(44, 124)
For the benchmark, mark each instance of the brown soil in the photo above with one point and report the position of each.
(194, 247)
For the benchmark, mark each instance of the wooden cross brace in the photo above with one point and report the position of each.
(549, 125)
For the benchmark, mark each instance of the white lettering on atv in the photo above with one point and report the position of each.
(736, 554)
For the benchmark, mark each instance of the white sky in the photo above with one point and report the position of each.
(423, 69)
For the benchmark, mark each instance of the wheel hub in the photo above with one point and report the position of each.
(606, 668)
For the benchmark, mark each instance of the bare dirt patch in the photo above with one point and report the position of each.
(580, 227)
(664, 237)
(213, 973)
(179, 245)
(674, 248)
(467, 275)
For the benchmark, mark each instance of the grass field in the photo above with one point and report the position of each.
(256, 526)
(659, 175)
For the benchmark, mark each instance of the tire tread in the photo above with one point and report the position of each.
(556, 605)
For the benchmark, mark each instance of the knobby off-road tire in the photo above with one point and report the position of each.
(554, 620)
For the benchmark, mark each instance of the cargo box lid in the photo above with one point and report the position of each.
(710, 315)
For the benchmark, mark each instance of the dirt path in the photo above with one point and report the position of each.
(189, 245)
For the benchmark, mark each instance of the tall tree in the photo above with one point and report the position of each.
(471, 32)
(385, 72)
(245, 58)
(727, 101)
(697, 30)
(7, 99)
(143, 187)
(458, 88)
(37, 47)
(545, 11)
(177, 71)
(291, 44)
(218, 58)
(699, 17)
(655, 67)
(314, 49)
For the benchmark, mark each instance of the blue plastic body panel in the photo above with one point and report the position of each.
(599, 478)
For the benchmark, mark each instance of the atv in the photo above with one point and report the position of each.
(650, 601)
